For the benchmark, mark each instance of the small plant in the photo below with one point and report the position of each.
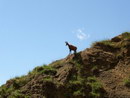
(18, 82)
(95, 70)
(126, 35)
(106, 42)
(3, 92)
(23, 80)
(56, 64)
(79, 93)
(127, 82)
(95, 87)
(75, 83)
(94, 95)
(91, 79)
(17, 94)
(37, 69)
(48, 79)
(48, 70)
(76, 86)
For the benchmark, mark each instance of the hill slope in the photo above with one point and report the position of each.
(102, 71)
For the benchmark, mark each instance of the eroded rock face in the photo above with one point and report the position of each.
(40, 88)
(102, 59)
(104, 47)
(116, 39)
(64, 73)
(127, 52)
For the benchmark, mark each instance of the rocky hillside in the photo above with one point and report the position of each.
(102, 71)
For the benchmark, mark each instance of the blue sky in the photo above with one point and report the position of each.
(33, 32)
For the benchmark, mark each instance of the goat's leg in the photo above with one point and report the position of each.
(75, 51)
(70, 52)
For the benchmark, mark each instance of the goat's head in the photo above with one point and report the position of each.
(67, 43)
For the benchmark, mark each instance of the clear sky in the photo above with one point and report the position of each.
(33, 32)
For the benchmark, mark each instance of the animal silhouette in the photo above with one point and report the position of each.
(71, 48)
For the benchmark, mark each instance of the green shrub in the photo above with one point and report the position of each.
(126, 35)
(48, 79)
(94, 95)
(79, 93)
(95, 87)
(37, 69)
(76, 86)
(127, 82)
(48, 70)
(18, 82)
(57, 63)
(12, 86)
(106, 42)
(23, 80)
(16, 94)
(3, 91)
(91, 79)
(76, 82)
